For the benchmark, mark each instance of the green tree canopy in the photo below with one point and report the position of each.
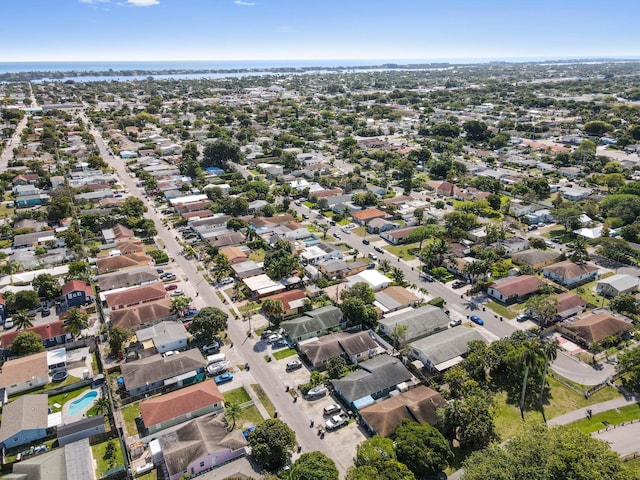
(47, 286)
(76, 320)
(272, 441)
(26, 343)
(541, 453)
(117, 336)
(360, 290)
(422, 448)
(208, 322)
(217, 154)
(313, 466)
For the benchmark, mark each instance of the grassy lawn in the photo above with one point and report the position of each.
(251, 307)
(238, 396)
(402, 251)
(329, 214)
(634, 466)
(264, 399)
(308, 204)
(63, 398)
(612, 417)
(344, 221)
(249, 416)
(103, 464)
(257, 255)
(287, 352)
(360, 231)
(153, 475)
(562, 400)
(587, 293)
(129, 415)
(502, 310)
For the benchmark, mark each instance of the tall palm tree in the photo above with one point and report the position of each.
(440, 249)
(398, 275)
(102, 405)
(76, 320)
(530, 360)
(22, 320)
(232, 412)
(384, 266)
(549, 352)
(476, 269)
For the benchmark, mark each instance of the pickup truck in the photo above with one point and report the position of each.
(336, 421)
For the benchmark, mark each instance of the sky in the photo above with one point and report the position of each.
(224, 30)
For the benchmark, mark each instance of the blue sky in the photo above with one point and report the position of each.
(82, 30)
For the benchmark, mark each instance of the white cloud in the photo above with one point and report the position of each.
(243, 3)
(143, 3)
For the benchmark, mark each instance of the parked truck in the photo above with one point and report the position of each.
(336, 421)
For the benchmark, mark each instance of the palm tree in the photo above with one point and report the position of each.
(440, 249)
(76, 320)
(179, 305)
(384, 266)
(398, 275)
(232, 412)
(102, 405)
(22, 320)
(530, 360)
(476, 269)
(398, 333)
(549, 352)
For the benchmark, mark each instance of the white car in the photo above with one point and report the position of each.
(169, 353)
(177, 293)
(226, 281)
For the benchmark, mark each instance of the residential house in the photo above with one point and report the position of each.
(248, 268)
(313, 323)
(223, 238)
(570, 304)
(180, 406)
(575, 193)
(153, 372)
(198, 446)
(126, 247)
(52, 334)
(596, 327)
(127, 278)
(378, 225)
(397, 236)
(321, 252)
(84, 428)
(292, 301)
(375, 378)
(117, 232)
(362, 217)
(373, 278)
(24, 420)
(25, 201)
(73, 461)
(211, 224)
(395, 298)
(514, 245)
(34, 239)
(142, 315)
(163, 336)
(25, 373)
(234, 255)
(76, 293)
(443, 350)
(334, 269)
(535, 258)
(419, 323)
(569, 274)
(420, 404)
(127, 297)
(120, 262)
(617, 285)
(354, 347)
(515, 289)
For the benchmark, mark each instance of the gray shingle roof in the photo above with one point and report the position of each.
(155, 368)
(420, 321)
(446, 345)
(374, 375)
(316, 320)
(28, 412)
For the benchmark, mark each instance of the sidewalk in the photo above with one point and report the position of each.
(256, 401)
(596, 408)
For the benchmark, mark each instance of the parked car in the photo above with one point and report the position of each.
(365, 241)
(177, 293)
(372, 256)
(211, 347)
(336, 421)
(246, 432)
(455, 323)
(332, 223)
(317, 391)
(8, 323)
(458, 284)
(522, 317)
(274, 338)
(170, 353)
(224, 378)
(428, 278)
(476, 319)
(331, 409)
(226, 281)
(218, 367)
(371, 266)
(295, 365)
(46, 312)
(337, 235)
(266, 334)
(170, 287)
(378, 249)
(159, 271)
(190, 312)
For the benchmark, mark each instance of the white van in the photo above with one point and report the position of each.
(218, 357)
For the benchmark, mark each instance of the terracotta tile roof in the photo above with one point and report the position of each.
(137, 315)
(47, 330)
(596, 327)
(397, 200)
(522, 285)
(418, 404)
(198, 213)
(568, 300)
(120, 231)
(77, 285)
(117, 262)
(23, 368)
(368, 214)
(135, 295)
(287, 297)
(326, 193)
(180, 402)
(400, 294)
(232, 253)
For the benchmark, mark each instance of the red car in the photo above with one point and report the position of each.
(172, 286)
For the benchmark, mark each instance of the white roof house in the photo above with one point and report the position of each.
(373, 278)
(262, 285)
(617, 284)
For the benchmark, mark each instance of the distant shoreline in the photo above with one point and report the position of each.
(26, 71)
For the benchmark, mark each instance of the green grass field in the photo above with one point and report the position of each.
(287, 352)
(501, 310)
(129, 415)
(264, 399)
(238, 395)
(612, 417)
(63, 398)
(102, 463)
(403, 251)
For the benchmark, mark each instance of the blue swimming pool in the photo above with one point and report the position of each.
(82, 403)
